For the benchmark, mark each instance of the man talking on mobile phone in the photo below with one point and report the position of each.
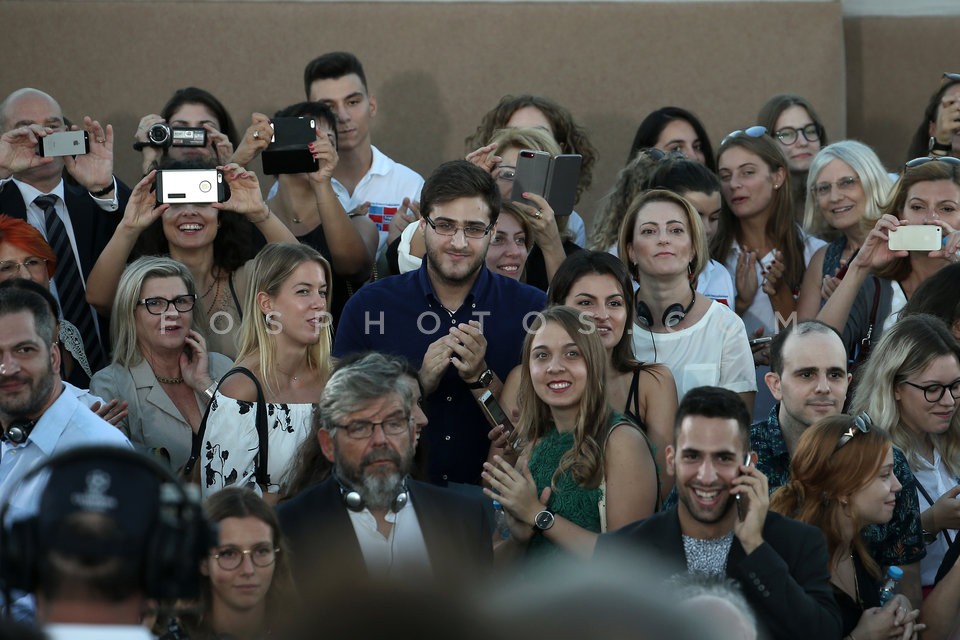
(780, 564)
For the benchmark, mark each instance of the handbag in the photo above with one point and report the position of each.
(191, 471)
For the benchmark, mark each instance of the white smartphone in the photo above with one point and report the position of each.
(190, 186)
(916, 237)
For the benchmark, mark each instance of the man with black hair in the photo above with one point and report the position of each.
(461, 324)
(364, 177)
(721, 525)
(808, 379)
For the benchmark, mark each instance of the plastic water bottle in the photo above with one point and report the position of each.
(501, 521)
(889, 588)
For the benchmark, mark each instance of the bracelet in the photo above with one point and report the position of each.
(209, 391)
(107, 189)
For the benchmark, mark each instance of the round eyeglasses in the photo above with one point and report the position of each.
(261, 555)
(789, 135)
(934, 392)
(159, 306)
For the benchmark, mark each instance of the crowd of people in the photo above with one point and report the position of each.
(366, 375)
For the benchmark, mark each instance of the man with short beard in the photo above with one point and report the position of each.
(461, 324)
(38, 419)
(369, 517)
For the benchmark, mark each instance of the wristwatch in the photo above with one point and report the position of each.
(935, 145)
(483, 381)
(929, 537)
(543, 521)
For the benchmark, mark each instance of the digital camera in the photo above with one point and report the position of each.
(163, 135)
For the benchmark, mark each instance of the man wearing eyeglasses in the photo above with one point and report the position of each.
(368, 516)
(808, 378)
(38, 419)
(460, 323)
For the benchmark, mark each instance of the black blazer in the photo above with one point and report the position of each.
(456, 529)
(785, 580)
(92, 226)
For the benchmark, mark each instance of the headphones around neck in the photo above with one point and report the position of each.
(179, 540)
(18, 431)
(672, 315)
(354, 501)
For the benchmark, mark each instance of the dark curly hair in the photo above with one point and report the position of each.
(571, 136)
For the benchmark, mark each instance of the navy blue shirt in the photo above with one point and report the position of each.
(402, 315)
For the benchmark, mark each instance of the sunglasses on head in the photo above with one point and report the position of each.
(861, 424)
(916, 162)
(754, 132)
(951, 77)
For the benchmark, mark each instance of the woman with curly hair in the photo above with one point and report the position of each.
(210, 239)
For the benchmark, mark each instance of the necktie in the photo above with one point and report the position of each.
(73, 301)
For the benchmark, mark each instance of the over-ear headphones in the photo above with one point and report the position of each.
(18, 431)
(179, 538)
(354, 501)
(672, 315)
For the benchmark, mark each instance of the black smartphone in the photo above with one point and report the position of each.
(562, 183)
(288, 151)
(64, 143)
(190, 186)
(741, 502)
(494, 412)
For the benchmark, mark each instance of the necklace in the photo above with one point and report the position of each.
(216, 279)
(291, 378)
(216, 294)
(160, 378)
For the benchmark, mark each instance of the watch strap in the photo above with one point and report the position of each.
(936, 145)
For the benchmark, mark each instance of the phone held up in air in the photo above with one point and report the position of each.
(554, 178)
(190, 186)
(494, 412)
(916, 237)
(64, 143)
(742, 502)
(289, 148)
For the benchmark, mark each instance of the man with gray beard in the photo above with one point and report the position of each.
(369, 517)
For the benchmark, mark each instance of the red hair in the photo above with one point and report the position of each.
(25, 237)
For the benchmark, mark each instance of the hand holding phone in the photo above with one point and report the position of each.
(916, 237)
(64, 143)
(495, 413)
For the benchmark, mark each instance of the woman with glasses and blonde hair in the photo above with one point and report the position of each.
(879, 280)
(161, 364)
(283, 365)
(841, 480)
(246, 584)
(910, 385)
(848, 187)
(799, 132)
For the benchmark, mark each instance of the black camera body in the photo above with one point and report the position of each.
(163, 135)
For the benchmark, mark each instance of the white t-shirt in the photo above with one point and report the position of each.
(712, 352)
(936, 480)
(715, 283)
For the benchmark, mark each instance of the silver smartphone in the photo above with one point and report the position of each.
(190, 186)
(64, 143)
(531, 174)
(494, 412)
(916, 237)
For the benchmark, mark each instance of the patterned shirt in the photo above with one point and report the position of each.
(898, 542)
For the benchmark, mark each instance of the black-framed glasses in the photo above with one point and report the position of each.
(932, 393)
(34, 266)
(844, 184)
(861, 424)
(447, 228)
(261, 555)
(789, 135)
(755, 131)
(159, 306)
(916, 162)
(363, 429)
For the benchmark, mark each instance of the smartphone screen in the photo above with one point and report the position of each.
(494, 412)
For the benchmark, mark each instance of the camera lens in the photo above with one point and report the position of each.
(159, 134)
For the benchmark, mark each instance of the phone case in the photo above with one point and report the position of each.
(916, 237)
(531, 174)
(190, 186)
(562, 183)
(288, 152)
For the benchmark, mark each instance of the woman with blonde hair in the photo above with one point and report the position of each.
(161, 364)
(585, 467)
(848, 187)
(285, 342)
(841, 480)
(911, 385)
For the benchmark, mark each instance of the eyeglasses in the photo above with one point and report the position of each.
(159, 306)
(788, 135)
(844, 184)
(916, 162)
(861, 424)
(934, 392)
(261, 555)
(447, 228)
(754, 132)
(392, 426)
(11, 268)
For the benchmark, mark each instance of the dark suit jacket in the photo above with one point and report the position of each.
(785, 579)
(456, 529)
(92, 226)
